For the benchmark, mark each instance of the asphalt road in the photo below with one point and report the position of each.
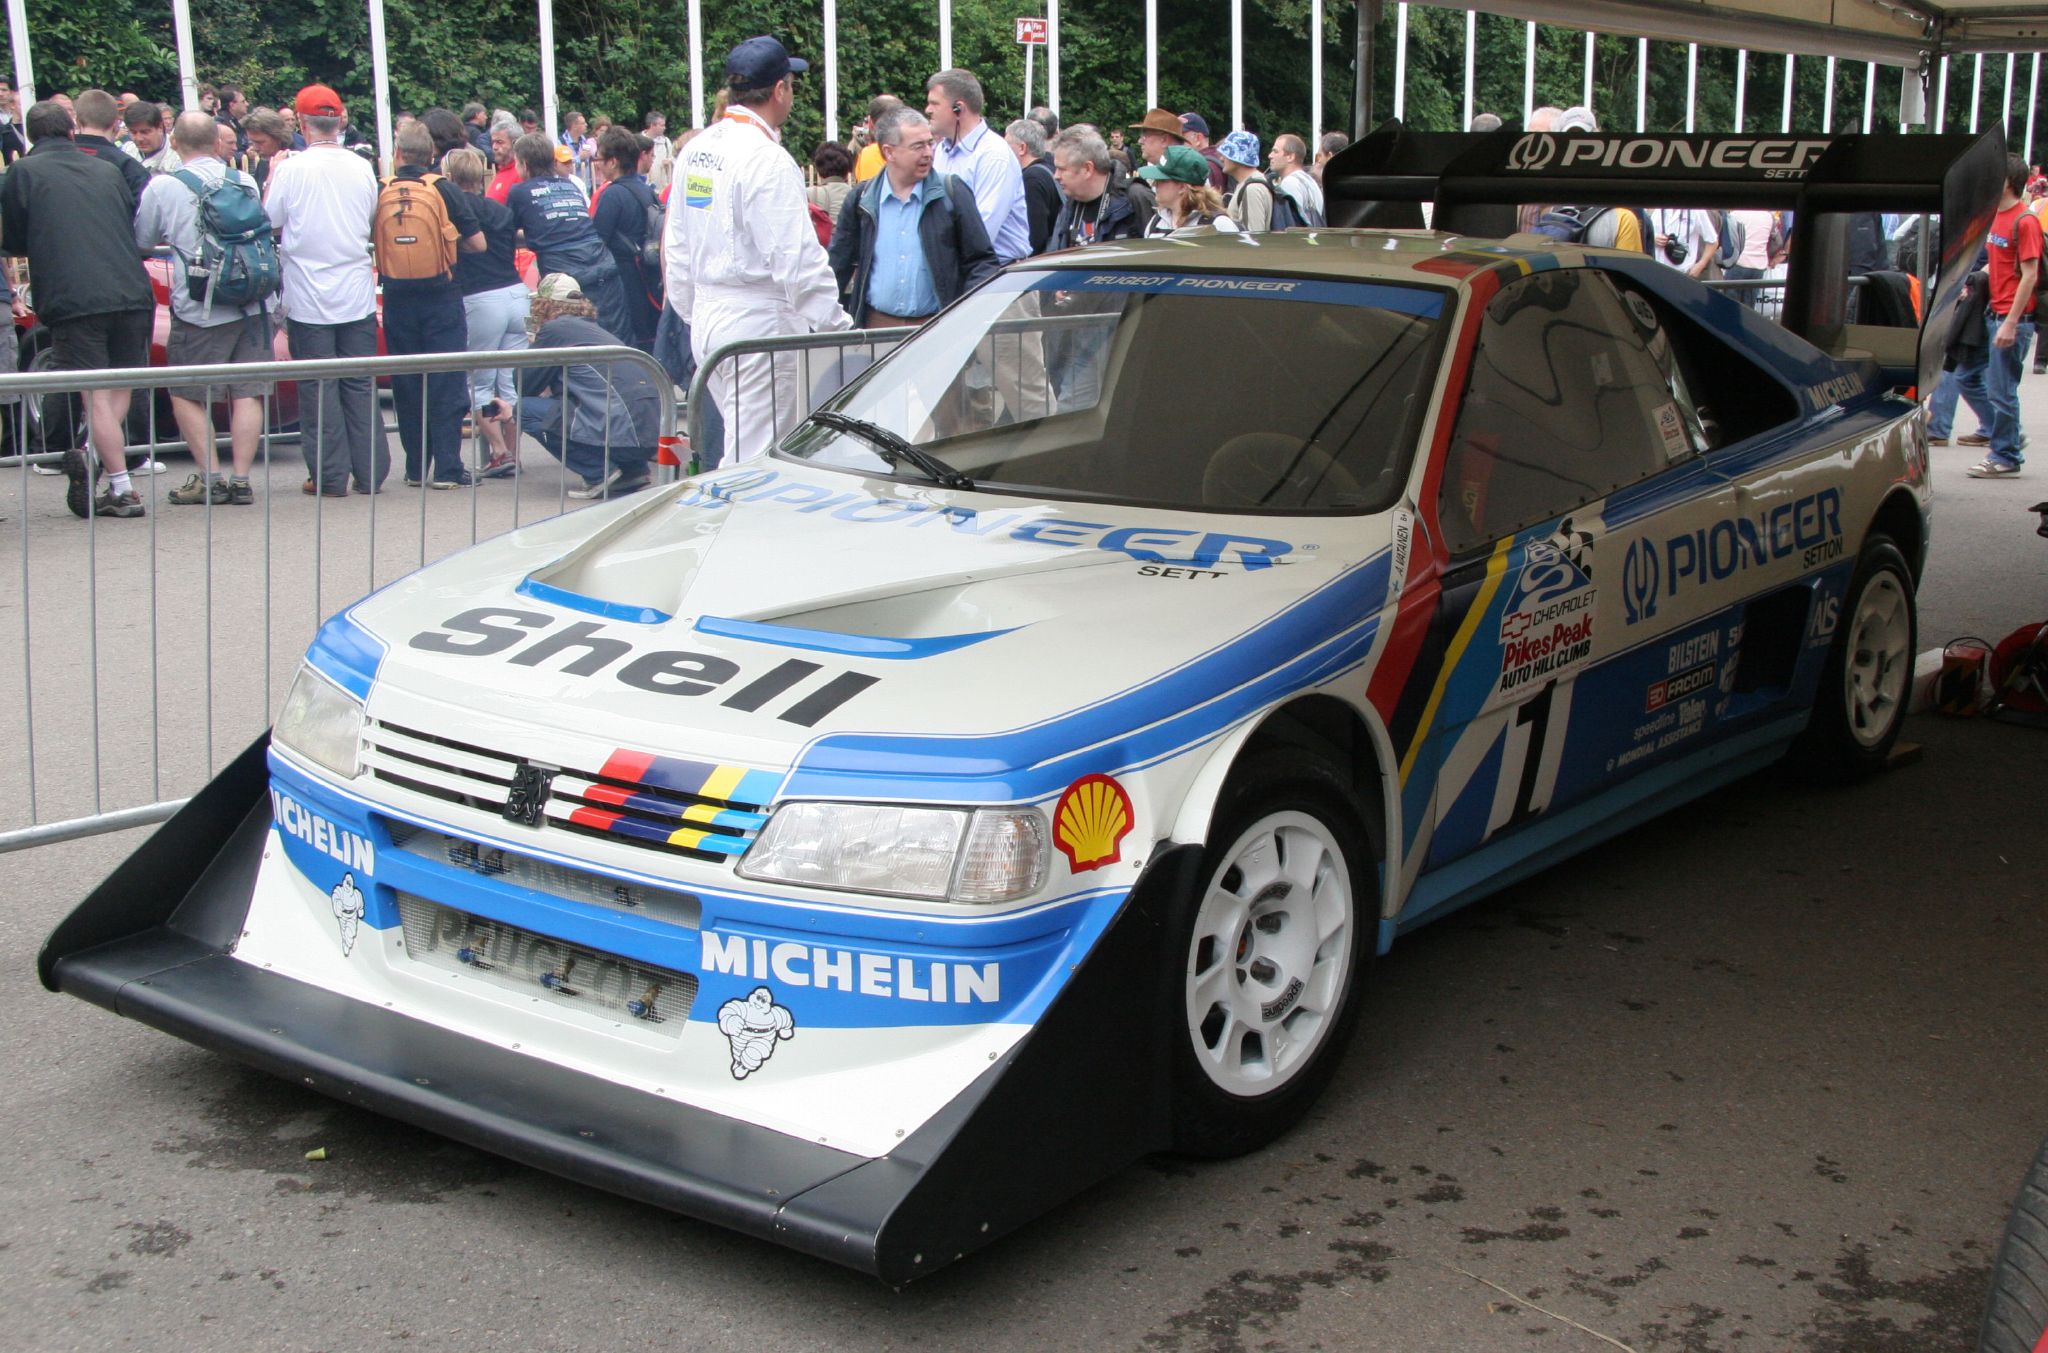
(1762, 1074)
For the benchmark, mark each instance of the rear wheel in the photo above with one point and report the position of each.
(1868, 680)
(1273, 953)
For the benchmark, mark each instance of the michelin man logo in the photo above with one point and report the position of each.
(752, 1024)
(348, 909)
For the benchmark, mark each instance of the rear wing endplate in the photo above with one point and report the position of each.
(1477, 179)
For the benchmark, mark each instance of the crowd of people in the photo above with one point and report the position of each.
(490, 235)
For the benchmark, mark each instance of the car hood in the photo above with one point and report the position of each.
(778, 614)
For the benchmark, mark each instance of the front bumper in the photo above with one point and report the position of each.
(1082, 1095)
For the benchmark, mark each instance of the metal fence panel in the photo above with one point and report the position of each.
(152, 650)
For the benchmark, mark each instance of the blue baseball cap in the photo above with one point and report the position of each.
(759, 62)
(1194, 122)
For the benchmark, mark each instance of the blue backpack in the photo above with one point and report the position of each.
(237, 263)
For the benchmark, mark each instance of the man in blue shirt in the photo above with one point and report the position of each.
(970, 148)
(908, 241)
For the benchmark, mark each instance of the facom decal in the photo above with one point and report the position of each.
(1666, 690)
(1091, 821)
(351, 850)
(490, 631)
(1147, 544)
(824, 968)
(1809, 527)
(347, 903)
(753, 1024)
(1546, 630)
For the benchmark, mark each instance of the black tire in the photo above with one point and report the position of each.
(1291, 790)
(53, 422)
(2016, 1316)
(1851, 732)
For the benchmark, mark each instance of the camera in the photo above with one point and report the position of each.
(1675, 251)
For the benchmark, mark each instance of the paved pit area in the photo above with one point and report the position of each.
(1761, 1075)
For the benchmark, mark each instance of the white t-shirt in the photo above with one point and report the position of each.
(1688, 224)
(1306, 192)
(321, 200)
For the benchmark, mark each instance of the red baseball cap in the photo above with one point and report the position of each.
(318, 101)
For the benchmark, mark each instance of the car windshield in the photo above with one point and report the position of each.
(1214, 391)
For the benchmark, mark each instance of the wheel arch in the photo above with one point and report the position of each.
(1352, 737)
(1899, 516)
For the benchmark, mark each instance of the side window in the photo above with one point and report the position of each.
(1566, 402)
(1722, 395)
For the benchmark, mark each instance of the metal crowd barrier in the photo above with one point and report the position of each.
(824, 362)
(152, 650)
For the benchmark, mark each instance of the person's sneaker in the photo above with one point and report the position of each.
(498, 467)
(112, 504)
(51, 470)
(1990, 468)
(240, 492)
(196, 489)
(1937, 441)
(1974, 439)
(81, 472)
(597, 488)
(452, 479)
(411, 483)
(145, 465)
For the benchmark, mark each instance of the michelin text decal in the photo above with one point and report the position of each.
(295, 819)
(828, 969)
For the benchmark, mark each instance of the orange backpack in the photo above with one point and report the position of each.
(413, 236)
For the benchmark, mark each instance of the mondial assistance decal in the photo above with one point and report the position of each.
(1091, 821)
(1546, 630)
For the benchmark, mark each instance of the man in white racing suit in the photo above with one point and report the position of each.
(742, 258)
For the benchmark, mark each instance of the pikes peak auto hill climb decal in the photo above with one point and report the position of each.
(1091, 821)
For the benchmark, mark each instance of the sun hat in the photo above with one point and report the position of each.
(1180, 164)
(1161, 121)
(1240, 147)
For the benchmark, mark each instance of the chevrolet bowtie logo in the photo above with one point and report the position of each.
(527, 801)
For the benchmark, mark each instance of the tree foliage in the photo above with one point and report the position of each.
(623, 60)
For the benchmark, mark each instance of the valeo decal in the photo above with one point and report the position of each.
(1091, 821)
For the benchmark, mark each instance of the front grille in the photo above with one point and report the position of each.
(543, 876)
(545, 968)
(670, 806)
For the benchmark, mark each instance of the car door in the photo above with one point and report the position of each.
(1570, 451)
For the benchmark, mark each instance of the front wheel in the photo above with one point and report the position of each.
(1868, 680)
(1272, 953)
(2016, 1318)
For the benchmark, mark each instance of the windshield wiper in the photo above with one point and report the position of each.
(893, 448)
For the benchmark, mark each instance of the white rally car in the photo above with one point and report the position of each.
(1017, 772)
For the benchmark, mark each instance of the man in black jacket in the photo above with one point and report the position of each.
(96, 113)
(74, 217)
(1041, 192)
(907, 243)
(1103, 203)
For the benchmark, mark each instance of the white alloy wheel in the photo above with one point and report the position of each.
(1271, 952)
(1878, 666)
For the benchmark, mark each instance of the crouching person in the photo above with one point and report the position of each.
(603, 422)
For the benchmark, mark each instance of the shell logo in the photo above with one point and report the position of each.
(1091, 821)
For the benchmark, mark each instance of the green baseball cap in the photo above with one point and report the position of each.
(1180, 164)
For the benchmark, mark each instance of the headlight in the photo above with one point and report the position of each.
(321, 722)
(975, 855)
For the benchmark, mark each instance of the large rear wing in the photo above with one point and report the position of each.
(1477, 179)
